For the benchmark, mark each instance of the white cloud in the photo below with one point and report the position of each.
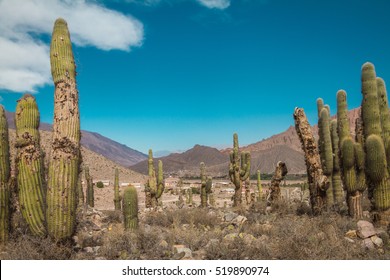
(215, 4)
(24, 59)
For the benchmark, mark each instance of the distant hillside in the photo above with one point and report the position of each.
(265, 154)
(97, 143)
(187, 162)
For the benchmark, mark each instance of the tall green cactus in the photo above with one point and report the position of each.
(90, 189)
(4, 178)
(350, 159)
(29, 163)
(326, 151)
(239, 170)
(117, 197)
(259, 186)
(338, 194)
(130, 208)
(376, 141)
(155, 186)
(65, 154)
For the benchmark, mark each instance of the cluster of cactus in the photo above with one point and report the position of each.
(29, 163)
(206, 184)
(4, 178)
(117, 196)
(130, 208)
(155, 186)
(239, 170)
(48, 207)
(351, 159)
(376, 140)
(90, 189)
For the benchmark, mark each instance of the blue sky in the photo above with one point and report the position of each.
(169, 74)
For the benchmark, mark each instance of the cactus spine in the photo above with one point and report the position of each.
(4, 178)
(259, 186)
(90, 190)
(65, 154)
(239, 170)
(376, 129)
(117, 197)
(318, 182)
(155, 186)
(325, 148)
(29, 163)
(130, 208)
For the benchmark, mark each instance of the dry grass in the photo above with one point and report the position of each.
(280, 234)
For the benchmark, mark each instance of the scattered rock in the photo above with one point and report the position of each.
(378, 242)
(367, 243)
(180, 249)
(88, 249)
(239, 220)
(330, 231)
(247, 238)
(230, 216)
(230, 236)
(365, 229)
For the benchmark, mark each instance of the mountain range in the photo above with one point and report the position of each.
(265, 154)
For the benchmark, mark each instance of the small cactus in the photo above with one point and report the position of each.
(130, 208)
(4, 178)
(206, 184)
(29, 163)
(117, 197)
(239, 170)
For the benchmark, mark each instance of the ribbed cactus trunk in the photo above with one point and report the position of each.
(65, 154)
(130, 208)
(280, 172)
(318, 182)
(351, 159)
(29, 164)
(155, 186)
(248, 191)
(117, 197)
(80, 193)
(4, 178)
(338, 193)
(259, 186)
(90, 189)
(325, 148)
(239, 170)
(376, 130)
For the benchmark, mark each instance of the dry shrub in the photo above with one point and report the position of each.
(26, 247)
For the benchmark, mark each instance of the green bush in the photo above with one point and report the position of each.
(100, 185)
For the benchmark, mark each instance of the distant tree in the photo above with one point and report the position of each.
(100, 185)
